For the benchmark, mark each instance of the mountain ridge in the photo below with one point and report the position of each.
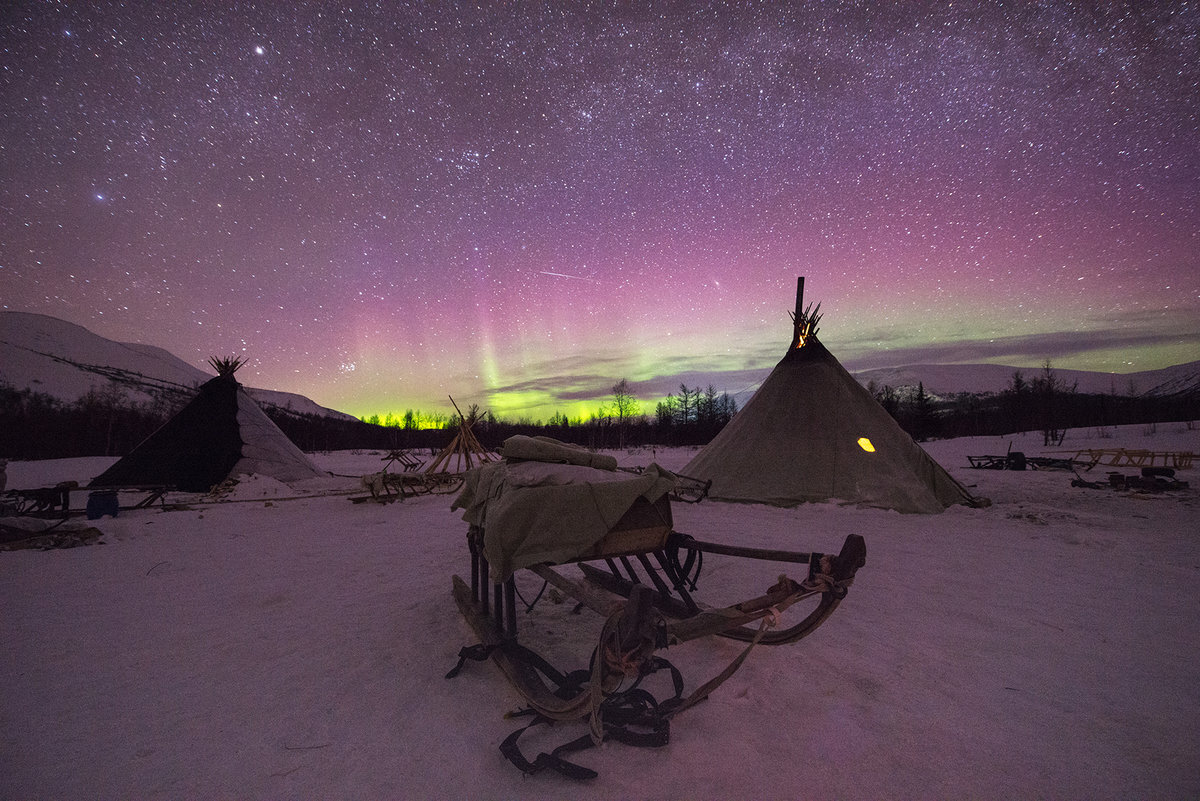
(947, 379)
(67, 361)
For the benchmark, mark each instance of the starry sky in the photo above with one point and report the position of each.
(382, 204)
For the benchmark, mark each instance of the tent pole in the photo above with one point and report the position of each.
(798, 317)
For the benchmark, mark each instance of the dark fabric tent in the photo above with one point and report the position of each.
(813, 433)
(222, 432)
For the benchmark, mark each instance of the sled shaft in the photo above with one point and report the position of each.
(719, 621)
(747, 553)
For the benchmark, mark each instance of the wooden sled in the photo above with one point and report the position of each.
(641, 580)
(387, 487)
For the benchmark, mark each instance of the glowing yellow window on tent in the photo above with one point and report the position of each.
(866, 444)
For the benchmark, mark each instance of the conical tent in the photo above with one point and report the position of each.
(222, 432)
(813, 433)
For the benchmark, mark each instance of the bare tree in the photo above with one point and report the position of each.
(1051, 393)
(624, 407)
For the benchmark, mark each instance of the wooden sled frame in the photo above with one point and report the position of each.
(388, 487)
(644, 558)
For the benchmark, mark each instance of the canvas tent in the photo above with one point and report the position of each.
(813, 433)
(221, 433)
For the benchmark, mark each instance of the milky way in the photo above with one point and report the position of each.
(382, 204)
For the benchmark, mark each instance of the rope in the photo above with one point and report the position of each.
(703, 691)
(628, 714)
(633, 662)
(609, 663)
(530, 604)
(820, 579)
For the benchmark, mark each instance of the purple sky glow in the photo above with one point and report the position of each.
(518, 204)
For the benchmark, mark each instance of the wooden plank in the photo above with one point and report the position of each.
(750, 553)
(670, 605)
(599, 602)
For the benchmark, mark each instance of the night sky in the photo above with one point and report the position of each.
(382, 204)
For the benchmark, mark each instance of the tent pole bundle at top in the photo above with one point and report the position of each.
(812, 433)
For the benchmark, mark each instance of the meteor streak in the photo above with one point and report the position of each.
(564, 275)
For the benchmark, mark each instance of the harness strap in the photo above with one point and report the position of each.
(546, 761)
(476, 653)
(633, 717)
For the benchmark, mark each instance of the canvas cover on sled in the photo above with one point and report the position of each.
(533, 512)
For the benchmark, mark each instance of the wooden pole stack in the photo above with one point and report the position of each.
(465, 446)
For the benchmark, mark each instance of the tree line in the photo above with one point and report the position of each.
(691, 417)
(1041, 402)
(35, 425)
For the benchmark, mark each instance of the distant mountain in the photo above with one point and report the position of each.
(948, 379)
(945, 380)
(66, 361)
(1178, 381)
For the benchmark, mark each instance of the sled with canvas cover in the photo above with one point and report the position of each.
(562, 517)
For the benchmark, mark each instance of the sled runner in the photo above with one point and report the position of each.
(642, 578)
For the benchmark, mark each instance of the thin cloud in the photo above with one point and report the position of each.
(1028, 347)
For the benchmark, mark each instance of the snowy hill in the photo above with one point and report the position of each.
(947, 379)
(66, 361)
(1182, 379)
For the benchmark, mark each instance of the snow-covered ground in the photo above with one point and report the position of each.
(287, 646)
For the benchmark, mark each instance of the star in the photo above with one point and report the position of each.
(546, 197)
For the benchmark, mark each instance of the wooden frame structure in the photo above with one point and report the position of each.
(465, 447)
(1130, 457)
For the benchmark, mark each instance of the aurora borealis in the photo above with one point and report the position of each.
(518, 204)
